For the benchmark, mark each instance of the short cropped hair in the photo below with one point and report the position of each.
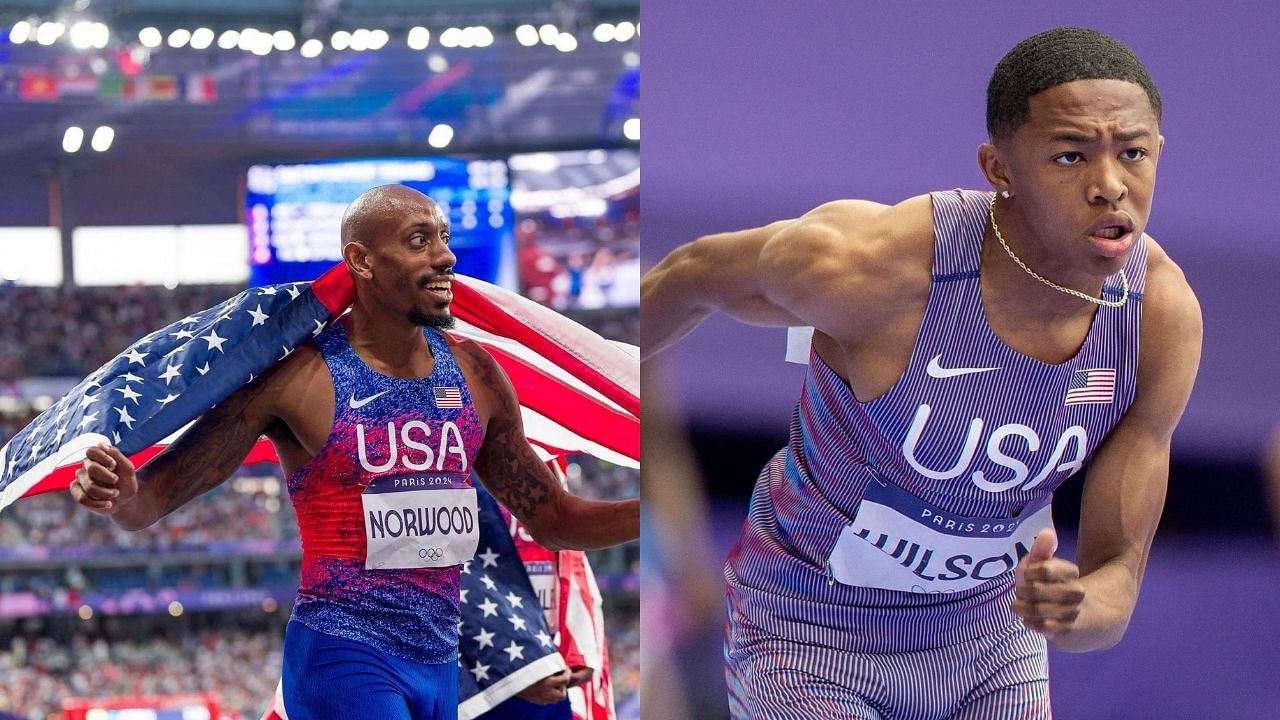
(1055, 57)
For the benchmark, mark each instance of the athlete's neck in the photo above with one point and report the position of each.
(388, 344)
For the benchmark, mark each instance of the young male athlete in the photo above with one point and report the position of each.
(971, 352)
(378, 427)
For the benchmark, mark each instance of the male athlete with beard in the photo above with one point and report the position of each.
(378, 427)
(971, 351)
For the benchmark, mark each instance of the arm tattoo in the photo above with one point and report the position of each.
(509, 467)
(206, 455)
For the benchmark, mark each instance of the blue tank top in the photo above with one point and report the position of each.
(895, 524)
(386, 509)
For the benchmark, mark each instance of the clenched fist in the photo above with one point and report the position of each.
(106, 481)
(1047, 590)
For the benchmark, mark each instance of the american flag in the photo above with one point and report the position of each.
(504, 644)
(578, 392)
(1092, 386)
(447, 397)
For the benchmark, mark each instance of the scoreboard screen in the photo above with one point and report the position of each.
(294, 213)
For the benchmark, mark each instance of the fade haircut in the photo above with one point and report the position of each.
(1055, 57)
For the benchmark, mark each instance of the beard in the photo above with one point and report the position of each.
(442, 321)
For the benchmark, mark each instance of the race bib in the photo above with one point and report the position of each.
(899, 542)
(546, 584)
(419, 521)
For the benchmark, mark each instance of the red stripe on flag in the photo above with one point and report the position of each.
(61, 478)
(574, 410)
(473, 307)
(335, 289)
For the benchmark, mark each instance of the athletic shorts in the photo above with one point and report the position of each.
(1003, 677)
(327, 677)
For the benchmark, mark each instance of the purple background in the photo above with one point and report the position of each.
(761, 110)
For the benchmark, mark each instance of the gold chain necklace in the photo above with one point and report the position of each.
(1124, 280)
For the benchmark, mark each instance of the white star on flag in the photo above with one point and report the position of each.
(170, 373)
(517, 622)
(544, 638)
(215, 342)
(124, 416)
(489, 557)
(488, 582)
(489, 607)
(515, 651)
(515, 600)
(129, 393)
(485, 638)
(136, 357)
(259, 317)
(480, 671)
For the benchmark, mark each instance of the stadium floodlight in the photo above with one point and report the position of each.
(451, 37)
(229, 39)
(341, 40)
(20, 33)
(631, 129)
(49, 32)
(72, 139)
(312, 48)
(283, 40)
(82, 35)
(201, 38)
(99, 35)
(263, 44)
(527, 35)
(624, 31)
(481, 36)
(566, 42)
(440, 137)
(248, 39)
(102, 138)
(437, 63)
(419, 38)
(360, 39)
(378, 39)
(179, 38)
(604, 32)
(549, 34)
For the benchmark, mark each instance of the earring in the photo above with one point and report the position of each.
(1005, 194)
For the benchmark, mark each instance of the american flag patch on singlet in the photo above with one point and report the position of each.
(1092, 386)
(448, 397)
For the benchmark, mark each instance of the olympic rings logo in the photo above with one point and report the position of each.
(432, 553)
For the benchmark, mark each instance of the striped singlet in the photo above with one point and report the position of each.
(894, 525)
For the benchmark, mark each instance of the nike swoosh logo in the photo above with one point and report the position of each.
(357, 404)
(934, 369)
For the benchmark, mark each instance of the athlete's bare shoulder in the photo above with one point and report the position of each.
(490, 388)
(1167, 299)
(1172, 327)
(842, 263)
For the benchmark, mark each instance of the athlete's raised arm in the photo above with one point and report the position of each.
(511, 470)
(200, 460)
(791, 272)
(1087, 605)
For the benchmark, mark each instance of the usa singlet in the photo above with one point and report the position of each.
(895, 525)
(386, 509)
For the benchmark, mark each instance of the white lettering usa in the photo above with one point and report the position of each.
(1074, 438)
(417, 454)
